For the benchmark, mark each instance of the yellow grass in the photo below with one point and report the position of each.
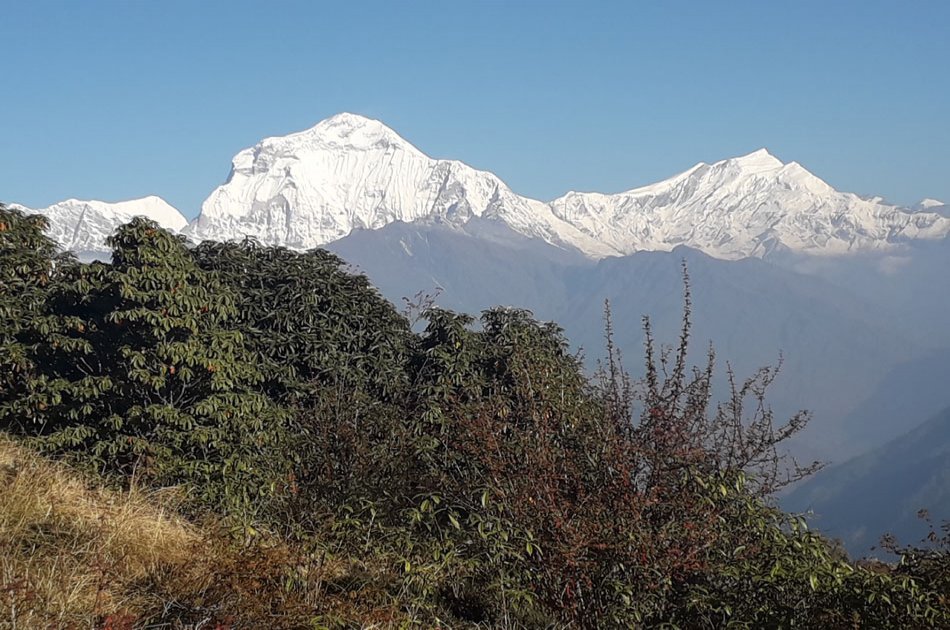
(72, 553)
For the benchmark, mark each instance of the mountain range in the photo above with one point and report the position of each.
(349, 173)
(852, 292)
(84, 226)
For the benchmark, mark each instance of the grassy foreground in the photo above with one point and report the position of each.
(74, 554)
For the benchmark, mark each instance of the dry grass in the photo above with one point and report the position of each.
(71, 553)
(76, 555)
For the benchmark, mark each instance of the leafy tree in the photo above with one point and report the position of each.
(310, 322)
(28, 262)
(148, 375)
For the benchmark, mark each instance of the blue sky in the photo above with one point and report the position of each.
(114, 100)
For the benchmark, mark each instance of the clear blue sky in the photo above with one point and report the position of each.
(113, 100)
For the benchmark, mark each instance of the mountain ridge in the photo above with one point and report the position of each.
(348, 172)
(84, 225)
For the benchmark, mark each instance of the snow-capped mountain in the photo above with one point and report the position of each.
(83, 226)
(349, 173)
(932, 205)
(746, 206)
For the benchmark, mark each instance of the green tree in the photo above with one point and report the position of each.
(310, 322)
(28, 264)
(148, 374)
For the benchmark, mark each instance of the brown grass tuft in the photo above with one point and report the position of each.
(74, 554)
(70, 552)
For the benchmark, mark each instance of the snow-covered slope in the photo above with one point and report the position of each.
(83, 226)
(746, 206)
(350, 172)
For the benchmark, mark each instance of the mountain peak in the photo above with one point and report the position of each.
(352, 172)
(151, 207)
(354, 131)
(757, 160)
(932, 206)
(350, 119)
(83, 225)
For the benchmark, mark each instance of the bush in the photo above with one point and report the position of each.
(28, 265)
(138, 370)
(517, 493)
(468, 474)
(308, 321)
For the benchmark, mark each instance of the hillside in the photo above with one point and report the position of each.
(881, 491)
(73, 553)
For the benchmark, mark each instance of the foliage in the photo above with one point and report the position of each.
(929, 561)
(27, 267)
(140, 372)
(471, 473)
(308, 321)
(772, 572)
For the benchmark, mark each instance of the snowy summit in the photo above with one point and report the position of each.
(83, 226)
(350, 173)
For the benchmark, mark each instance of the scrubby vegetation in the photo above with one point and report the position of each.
(252, 437)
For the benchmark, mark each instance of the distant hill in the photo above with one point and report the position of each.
(751, 310)
(881, 491)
